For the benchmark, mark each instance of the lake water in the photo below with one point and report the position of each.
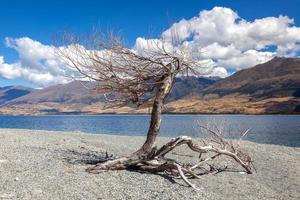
(272, 129)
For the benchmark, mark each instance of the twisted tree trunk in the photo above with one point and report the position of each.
(155, 123)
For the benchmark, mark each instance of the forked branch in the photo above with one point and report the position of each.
(158, 162)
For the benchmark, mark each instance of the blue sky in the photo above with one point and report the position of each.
(41, 20)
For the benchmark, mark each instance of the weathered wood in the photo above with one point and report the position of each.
(156, 162)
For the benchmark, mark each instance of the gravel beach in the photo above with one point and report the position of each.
(38, 164)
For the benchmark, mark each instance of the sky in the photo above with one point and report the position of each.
(233, 34)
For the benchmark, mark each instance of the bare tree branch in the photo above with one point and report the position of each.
(126, 76)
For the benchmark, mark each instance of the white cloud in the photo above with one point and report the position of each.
(233, 42)
(216, 51)
(37, 63)
(9, 71)
(224, 26)
(220, 38)
(246, 59)
(219, 71)
(145, 46)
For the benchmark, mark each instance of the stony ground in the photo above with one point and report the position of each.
(47, 165)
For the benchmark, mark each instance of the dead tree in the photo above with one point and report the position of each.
(126, 76)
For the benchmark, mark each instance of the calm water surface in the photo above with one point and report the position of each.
(272, 129)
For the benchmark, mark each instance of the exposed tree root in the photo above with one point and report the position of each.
(157, 162)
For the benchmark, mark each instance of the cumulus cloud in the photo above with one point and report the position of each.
(245, 60)
(37, 63)
(232, 42)
(143, 45)
(216, 51)
(219, 37)
(219, 71)
(9, 71)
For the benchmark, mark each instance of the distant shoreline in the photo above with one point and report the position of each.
(145, 114)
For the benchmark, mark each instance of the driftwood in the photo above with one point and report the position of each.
(157, 162)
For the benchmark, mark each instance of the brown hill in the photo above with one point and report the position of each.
(272, 87)
(77, 97)
(279, 77)
(71, 93)
(78, 92)
(12, 92)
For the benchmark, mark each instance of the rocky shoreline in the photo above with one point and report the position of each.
(38, 164)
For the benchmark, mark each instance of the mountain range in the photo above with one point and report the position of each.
(13, 92)
(268, 88)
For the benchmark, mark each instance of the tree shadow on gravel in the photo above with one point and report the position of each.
(85, 158)
(94, 157)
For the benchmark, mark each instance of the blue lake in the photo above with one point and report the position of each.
(271, 129)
